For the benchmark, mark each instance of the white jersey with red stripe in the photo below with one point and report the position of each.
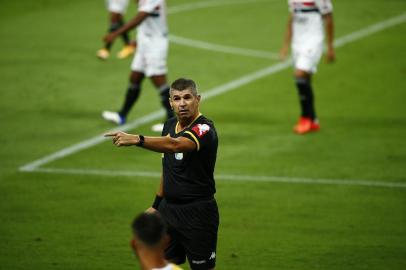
(152, 39)
(307, 21)
(308, 32)
(155, 25)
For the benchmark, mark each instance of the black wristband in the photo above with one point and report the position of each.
(157, 201)
(142, 140)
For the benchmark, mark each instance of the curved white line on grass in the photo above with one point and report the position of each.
(238, 178)
(221, 48)
(224, 88)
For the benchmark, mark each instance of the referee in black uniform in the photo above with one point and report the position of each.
(185, 197)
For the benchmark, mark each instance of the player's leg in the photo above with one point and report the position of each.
(117, 9)
(134, 88)
(308, 121)
(156, 70)
(131, 97)
(115, 23)
(132, 94)
(305, 62)
(305, 91)
(129, 47)
(161, 84)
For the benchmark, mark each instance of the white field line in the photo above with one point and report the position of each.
(233, 178)
(372, 29)
(221, 48)
(216, 47)
(213, 3)
(232, 85)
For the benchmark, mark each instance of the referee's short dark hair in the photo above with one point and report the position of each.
(184, 84)
(149, 228)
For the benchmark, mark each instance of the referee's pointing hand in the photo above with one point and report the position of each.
(123, 139)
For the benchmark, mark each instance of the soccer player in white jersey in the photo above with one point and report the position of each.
(117, 9)
(305, 31)
(149, 60)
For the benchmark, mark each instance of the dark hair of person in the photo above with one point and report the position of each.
(184, 84)
(149, 228)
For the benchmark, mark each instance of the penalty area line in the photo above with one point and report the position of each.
(231, 177)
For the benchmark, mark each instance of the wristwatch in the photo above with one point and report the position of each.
(141, 141)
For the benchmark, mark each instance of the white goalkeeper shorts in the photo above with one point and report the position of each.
(151, 56)
(117, 6)
(306, 58)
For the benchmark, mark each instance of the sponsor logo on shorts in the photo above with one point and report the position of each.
(198, 262)
(212, 256)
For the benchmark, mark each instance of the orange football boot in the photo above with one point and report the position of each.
(306, 125)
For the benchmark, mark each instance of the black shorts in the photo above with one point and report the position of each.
(193, 230)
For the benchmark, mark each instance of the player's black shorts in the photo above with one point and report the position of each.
(193, 230)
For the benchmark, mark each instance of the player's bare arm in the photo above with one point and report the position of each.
(329, 24)
(128, 26)
(157, 144)
(286, 42)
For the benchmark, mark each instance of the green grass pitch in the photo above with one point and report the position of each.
(53, 89)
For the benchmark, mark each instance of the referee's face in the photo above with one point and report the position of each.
(185, 104)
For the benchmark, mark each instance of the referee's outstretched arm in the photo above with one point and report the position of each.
(164, 144)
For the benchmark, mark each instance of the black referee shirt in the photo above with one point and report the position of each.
(189, 176)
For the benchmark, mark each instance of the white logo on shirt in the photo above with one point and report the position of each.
(179, 156)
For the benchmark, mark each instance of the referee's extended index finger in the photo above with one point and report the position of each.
(110, 134)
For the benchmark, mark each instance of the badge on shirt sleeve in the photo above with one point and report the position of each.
(201, 129)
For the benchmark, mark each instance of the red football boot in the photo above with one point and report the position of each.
(315, 125)
(306, 125)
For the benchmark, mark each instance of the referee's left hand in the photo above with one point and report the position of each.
(123, 139)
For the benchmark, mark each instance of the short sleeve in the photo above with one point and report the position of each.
(201, 134)
(325, 6)
(149, 6)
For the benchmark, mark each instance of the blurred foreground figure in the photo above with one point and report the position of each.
(305, 31)
(149, 60)
(117, 9)
(149, 242)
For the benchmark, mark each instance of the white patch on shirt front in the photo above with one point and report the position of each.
(179, 156)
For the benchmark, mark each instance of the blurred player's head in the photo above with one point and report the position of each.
(149, 232)
(185, 100)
